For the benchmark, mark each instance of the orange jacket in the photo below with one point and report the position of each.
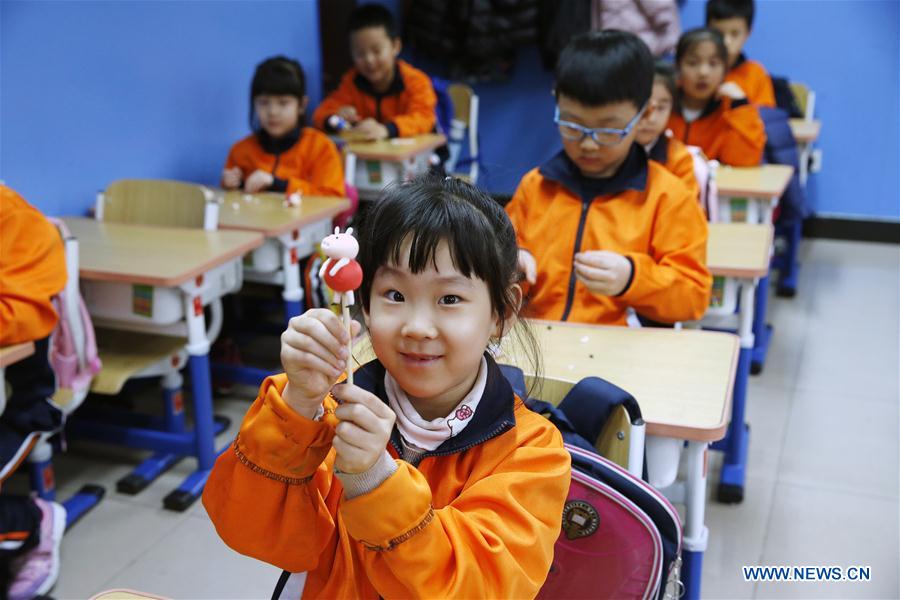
(674, 156)
(478, 517)
(643, 212)
(311, 165)
(406, 108)
(728, 131)
(32, 270)
(754, 80)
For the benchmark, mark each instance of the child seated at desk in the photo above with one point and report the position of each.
(281, 155)
(32, 270)
(428, 477)
(712, 113)
(652, 133)
(600, 228)
(734, 20)
(381, 97)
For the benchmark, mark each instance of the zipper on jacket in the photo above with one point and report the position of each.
(570, 298)
(687, 132)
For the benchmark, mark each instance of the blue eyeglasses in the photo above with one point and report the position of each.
(603, 136)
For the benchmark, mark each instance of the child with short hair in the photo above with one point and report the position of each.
(381, 96)
(600, 228)
(712, 113)
(734, 20)
(437, 481)
(281, 155)
(656, 139)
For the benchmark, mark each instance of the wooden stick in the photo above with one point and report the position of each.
(345, 309)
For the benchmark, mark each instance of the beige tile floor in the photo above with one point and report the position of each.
(822, 484)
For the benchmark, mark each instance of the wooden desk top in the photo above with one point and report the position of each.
(10, 355)
(682, 380)
(266, 213)
(805, 131)
(764, 181)
(739, 249)
(396, 149)
(161, 256)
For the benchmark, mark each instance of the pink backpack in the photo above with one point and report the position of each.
(705, 173)
(73, 347)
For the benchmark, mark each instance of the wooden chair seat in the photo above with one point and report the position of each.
(126, 353)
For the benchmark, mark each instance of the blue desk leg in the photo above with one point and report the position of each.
(44, 485)
(789, 266)
(696, 535)
(762, 332)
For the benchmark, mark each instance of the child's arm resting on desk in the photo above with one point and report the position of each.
(672, 283)
(745, 137)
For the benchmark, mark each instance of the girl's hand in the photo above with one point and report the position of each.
(370, 130)
(258, 181)
(732, 90)
(365, 428)
(528, 266)
(348, 113)
(603, 272)
(313, 355)
(231, 178)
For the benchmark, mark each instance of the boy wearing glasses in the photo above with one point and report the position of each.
(600, 228)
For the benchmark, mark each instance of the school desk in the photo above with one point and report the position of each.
(682, 381)
(738, 257)
(372, 165)
(10, 355)
(158, 279)
(805, 132)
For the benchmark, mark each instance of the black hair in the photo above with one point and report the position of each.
(691, 38)
(277, 76)
(603, 67)
(717, 10)
(372, 15)
(664, 71)
(429, 210)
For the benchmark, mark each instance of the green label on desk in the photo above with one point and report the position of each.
(717, 298)
(738, 210)
(373, 170)
(142, 300)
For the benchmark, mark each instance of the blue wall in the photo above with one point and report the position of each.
(95, 91)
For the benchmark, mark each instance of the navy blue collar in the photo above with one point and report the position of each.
(631, 175)
(278, 145)
(660, 150)
(741, 59)
(711, 106)
(495, 413)
(365, 86)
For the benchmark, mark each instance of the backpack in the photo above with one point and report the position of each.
(705, 173)
(444, 108)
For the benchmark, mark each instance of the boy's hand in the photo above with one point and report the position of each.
(258, 181)
(231, 178)
(313, 354)
(603, 272)
(348, 113)
(527, 266)
(365, 428)
(370, 130)
(732, 90)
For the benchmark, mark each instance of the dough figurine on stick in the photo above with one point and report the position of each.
(343, 275)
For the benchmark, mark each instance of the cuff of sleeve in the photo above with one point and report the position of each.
(279, 185)
(741, 102)
(277, 441)
(391, 513)
(630, 278)
(393, 131)
(357, 484)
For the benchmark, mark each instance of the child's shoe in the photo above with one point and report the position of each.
(35, 573)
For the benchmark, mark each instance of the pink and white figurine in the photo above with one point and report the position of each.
(343, 275)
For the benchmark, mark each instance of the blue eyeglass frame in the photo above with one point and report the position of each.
(593, 132)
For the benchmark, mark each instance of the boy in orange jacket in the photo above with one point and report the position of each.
(381, 97)
(734, 20)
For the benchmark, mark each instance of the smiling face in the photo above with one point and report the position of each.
(374, 55)
(592, 159)
(430, 329)
(701, 71)
(278, 114)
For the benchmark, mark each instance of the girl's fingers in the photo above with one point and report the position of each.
(593, 274)
(355, 435)
(298, 359)
(325, 328)
(351, 394)
(307, 344)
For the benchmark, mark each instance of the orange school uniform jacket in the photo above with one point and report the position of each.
(304, 161)
(642, 212)
(729, 131)
(754, 80)
(477, 518)
(406, 108)
(674, 156)
(32, 270)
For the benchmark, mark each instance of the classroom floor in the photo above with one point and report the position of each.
(822, 486)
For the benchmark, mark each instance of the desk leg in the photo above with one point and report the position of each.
(696, 535)
(731, 483)
(762, 332)
(293, 291)
(788, 266)
(44, 485)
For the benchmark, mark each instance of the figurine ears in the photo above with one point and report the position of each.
(349, 231)
(337, 230)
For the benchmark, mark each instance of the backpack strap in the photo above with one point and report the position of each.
(590, 402)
